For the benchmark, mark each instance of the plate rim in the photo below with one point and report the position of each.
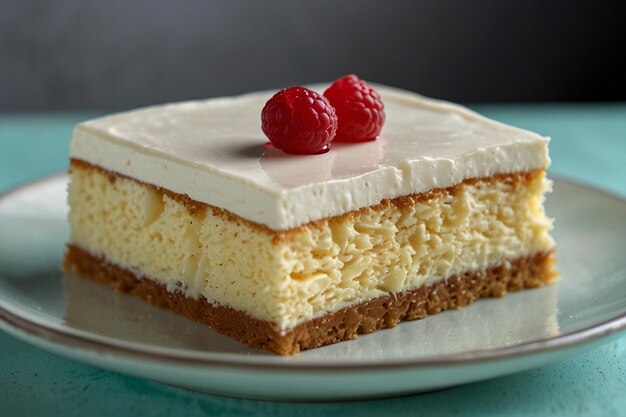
(133, 350)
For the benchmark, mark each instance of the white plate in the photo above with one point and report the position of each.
(90, 323)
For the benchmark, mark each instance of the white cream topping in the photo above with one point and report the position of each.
(213, 151)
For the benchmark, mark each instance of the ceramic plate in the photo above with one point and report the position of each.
(90, 323)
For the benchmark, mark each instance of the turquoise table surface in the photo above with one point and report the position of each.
(588, 144)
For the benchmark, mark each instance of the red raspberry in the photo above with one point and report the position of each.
(298, 120)
(359, 109)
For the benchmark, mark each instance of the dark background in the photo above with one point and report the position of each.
(98, 54)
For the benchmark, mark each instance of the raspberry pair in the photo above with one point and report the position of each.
(301, 121)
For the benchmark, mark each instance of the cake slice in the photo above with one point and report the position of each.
(184, 206)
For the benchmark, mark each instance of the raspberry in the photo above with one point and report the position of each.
(359, 109)
(300, 121)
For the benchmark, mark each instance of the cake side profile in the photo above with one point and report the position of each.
(290, 253)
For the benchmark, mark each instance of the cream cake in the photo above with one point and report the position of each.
(184, 206)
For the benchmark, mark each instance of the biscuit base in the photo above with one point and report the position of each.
(345, 324)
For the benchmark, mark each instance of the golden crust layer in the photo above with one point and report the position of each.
(345, 324)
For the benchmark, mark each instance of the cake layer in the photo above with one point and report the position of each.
(344, 324)
(291, 277)
(213, 152)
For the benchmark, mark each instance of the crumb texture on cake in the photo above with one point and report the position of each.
(344, 324)
(291, 277)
